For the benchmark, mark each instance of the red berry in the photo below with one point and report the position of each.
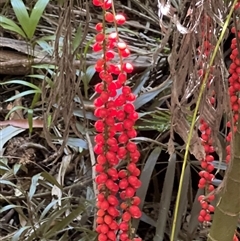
(99, 27)
(129, 192)
(97, 47)
(203, 213)
(200, 219)
(108, 219)
(129, 108)
(113, 212)
(122, 77)
(127, 67)
(109, 17)
(126, 216)
(109, 55)
(97, 3)
(136, 200)
(102, 237)
(211, 208)
(104, 205)
(123, 226)
(111, 235)
(131, 146)
(125, 53)
(131, 167)
(104, 228)
(100, 213)
(99, 37)
(207, 217)
(135, 211)
(120, 19)
(123, 184)
(112, 200)
(107, 4)
(122, 46)
(113, 225)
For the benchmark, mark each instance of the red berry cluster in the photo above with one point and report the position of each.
(206, 175)
(234, 89)
(115, 127)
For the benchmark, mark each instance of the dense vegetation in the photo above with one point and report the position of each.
(179, 83)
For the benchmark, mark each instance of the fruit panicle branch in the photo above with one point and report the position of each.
(206, 175)
(116, 200)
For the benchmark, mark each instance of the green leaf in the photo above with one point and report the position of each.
(195, 210)
(22, 82)
(140, 82)
(46, 210)
(22, 15)
(90, 73)
(29, 23)
(146, 177)
(51, 179)
(62, 224)
(10, 206)
(17, 235)
(35, 100)
(150, 95)
(9, 24)
(165, 199)
(45, 46)
(15, 108)
(28, 92)
(6, 182)
(33, 186)
(16, 168)
(77, 38)
(4, 163)
(37, 13)
(76, 142)
(30, 119)
(8, 133)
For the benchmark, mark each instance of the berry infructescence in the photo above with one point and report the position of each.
(116, 200)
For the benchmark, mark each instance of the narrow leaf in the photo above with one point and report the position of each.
(51, 179)
(77, 38)
(22, 82)
(11, 25)
(146, 177)
(7, 133)
(8, 207)
(24, 93)
(195, 210)
(165, 199)
(183, 200)
(46, 210)
(62, 224)
(22, 16)
(33, 186)
(36, 14)
(18, 234)
(148, 96)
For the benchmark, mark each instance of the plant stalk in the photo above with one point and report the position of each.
(228, 207)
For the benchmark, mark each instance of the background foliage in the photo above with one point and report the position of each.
(47, 92)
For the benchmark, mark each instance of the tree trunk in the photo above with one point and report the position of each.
(228, 207)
